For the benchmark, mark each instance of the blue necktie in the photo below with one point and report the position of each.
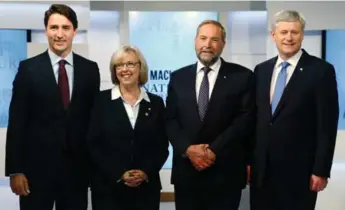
(203, 94)
(280, 86)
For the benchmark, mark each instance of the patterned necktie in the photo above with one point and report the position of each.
(204, 94)
(280, 86)
(63, 84)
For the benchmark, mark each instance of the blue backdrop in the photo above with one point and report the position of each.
(13, 49)
(335, 54)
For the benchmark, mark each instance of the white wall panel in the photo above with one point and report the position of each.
(319, 15)
(31, 15)
(103, 41)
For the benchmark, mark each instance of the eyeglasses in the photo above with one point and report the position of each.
(130, 65)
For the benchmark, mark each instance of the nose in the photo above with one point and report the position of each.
(208, 42)
(59, 33)
(125, 68)
(289, 36)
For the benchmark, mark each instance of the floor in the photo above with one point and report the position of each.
(9, 201)
(331, 199)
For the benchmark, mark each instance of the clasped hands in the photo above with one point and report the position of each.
(201, 156)
(133, 178)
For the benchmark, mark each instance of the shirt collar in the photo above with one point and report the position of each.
(54, 59)
(215, 67)
(115, 94)
(292, 61)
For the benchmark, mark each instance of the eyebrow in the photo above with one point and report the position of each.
(56, 25)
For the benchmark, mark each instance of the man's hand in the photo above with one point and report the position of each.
(210, 154)
(200, 156)
(134, 178)
(317, 183)
(19, 184)
(248, 174)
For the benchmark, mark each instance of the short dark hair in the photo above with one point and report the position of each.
(64, 10)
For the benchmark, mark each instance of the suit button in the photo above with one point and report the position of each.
(270, 124)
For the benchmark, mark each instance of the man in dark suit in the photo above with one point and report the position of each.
(209, 119)
(297, 115)
(53, 94)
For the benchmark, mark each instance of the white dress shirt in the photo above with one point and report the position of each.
(54, 59)
(212, 76)
(132, 110)
(289, 71)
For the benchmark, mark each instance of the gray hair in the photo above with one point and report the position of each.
(288, 16)
(118, 56)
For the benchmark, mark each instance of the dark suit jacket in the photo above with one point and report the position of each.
(44, 140)
(226, 126)
(115, 147)
(299, 138)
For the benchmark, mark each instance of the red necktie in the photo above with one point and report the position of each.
(63, 84)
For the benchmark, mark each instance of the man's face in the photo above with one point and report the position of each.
(209, 44)
(288, 37)
(60, 33)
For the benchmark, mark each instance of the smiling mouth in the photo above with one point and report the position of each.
(60, 42)
(126, 76)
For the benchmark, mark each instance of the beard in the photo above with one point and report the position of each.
(209, 61)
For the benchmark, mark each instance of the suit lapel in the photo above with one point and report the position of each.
(143, 114)
(191, 94)
(267, 78)
(77, 75)
(48, 77)
(217, 92)
(294, 82)
(119, 112)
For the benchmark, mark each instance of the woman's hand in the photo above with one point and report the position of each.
(133, 178)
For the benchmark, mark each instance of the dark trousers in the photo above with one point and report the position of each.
(63, 195)
(278, 192)
(126, 198)
(196, 198)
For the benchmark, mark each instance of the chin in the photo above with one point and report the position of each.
(286, 49)
(206, 58)
(127, 83)
(60, 49)
(291, 52)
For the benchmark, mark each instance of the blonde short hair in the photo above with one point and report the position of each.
(288, 16)
(118, 56)
(216, 23)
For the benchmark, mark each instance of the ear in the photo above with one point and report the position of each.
(75, 32)
(302, 35)
(273, 35)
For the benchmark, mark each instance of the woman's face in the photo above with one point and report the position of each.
(128, 71)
